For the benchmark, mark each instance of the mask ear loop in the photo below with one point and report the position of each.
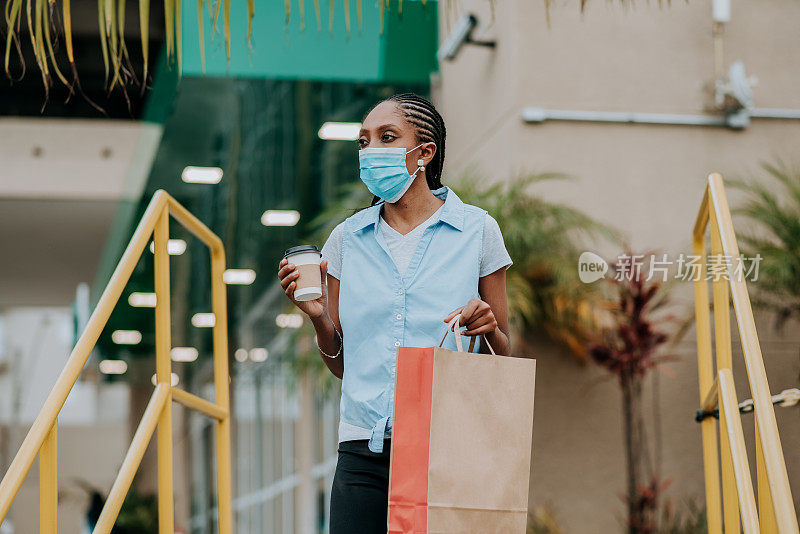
(420, 161)
(413, 149)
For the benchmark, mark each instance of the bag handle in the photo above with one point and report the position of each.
(459, 346)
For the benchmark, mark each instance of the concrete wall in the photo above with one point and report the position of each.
(645, 180)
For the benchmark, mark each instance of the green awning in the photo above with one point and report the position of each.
(404, 52)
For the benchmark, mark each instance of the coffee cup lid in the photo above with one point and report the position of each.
(301, 248)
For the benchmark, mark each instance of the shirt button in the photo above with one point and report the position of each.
(396, 343)
(399, 315)
(400, 291)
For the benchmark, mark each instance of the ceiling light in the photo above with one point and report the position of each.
(239, 276)
(280, 217)
(340, 131)
(142, 300)
(126, 337)
(173, 380)
(289, 320)
(201, 175)
(258, 355)
(175, 247)
(203, 320)
(183, 354)
(113, 367)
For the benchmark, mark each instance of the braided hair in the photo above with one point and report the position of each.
(421, 113)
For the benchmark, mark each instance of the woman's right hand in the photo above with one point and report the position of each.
(288, 273)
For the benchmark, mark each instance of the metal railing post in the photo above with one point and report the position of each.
(722, 337)
(141, 438)
(705, 373)
(729, 413)
(766, 513)
(221, 387)
(48, 482)
(166, 516)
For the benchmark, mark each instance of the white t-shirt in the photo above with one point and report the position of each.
(402, 247)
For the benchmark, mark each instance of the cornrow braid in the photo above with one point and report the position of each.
(430, 128)
(420, 112)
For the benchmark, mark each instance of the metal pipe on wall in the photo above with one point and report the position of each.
(738, 120)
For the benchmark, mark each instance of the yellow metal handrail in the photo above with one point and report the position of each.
(775, 511)
(42, 437)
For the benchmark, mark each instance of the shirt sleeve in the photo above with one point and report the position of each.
(495, 256)
(332, 251)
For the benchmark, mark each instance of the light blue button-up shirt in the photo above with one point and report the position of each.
(380, 310)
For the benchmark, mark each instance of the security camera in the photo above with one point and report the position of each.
(740, 86)
(461, 35)
(736, 92)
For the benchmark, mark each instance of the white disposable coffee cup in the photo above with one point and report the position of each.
(308, 286)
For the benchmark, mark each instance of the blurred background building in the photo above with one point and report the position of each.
(261, 150)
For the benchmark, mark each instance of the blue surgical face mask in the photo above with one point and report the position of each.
(385, 173)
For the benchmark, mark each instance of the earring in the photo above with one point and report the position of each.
(421, 164)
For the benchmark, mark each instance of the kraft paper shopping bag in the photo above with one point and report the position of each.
(461, 441)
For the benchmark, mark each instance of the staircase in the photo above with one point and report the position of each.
(42, 439)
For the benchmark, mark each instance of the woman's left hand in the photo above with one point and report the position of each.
(477, 316)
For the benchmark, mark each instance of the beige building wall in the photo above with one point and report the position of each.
(645, 180)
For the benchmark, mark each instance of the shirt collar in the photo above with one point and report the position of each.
(452, 211)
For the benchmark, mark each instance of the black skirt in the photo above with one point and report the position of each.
(360, 491)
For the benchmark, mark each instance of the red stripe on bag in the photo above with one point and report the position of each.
(411, 432)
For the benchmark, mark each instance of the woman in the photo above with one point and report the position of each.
(395, 274)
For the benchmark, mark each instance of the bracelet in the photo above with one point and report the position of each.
(341, 344)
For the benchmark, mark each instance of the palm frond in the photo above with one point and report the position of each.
(144, 32)
(251, 12)
(226, 28)
(773, 234)
(50, 53)
(178, 35)
(200, 34)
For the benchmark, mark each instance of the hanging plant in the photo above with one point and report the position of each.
(44, 23)
(42, 20)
